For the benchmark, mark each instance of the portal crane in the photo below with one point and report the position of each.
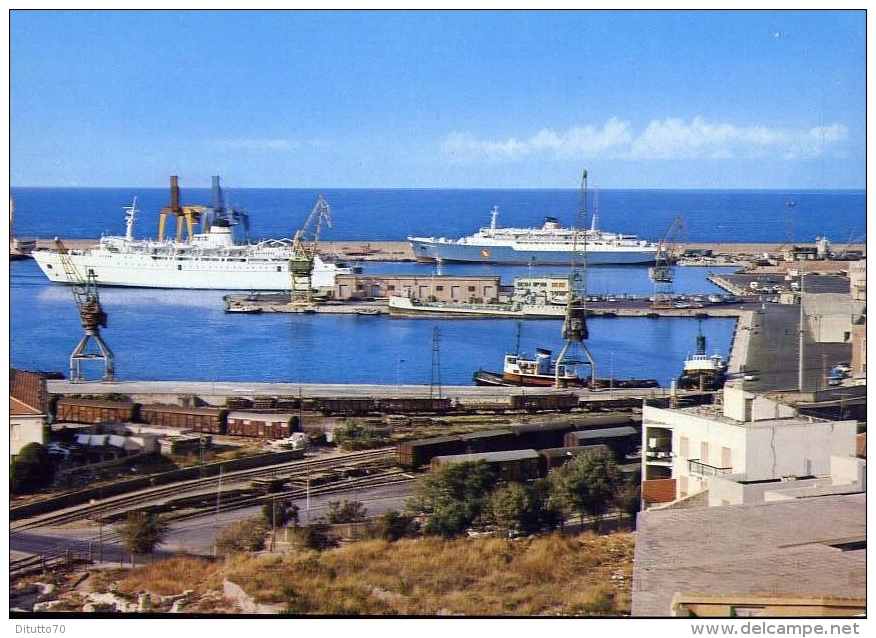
(190, 214)
(304, 245)
(575, 321)
(662, 272)
(91, 315)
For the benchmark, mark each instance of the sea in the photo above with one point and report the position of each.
(159, 334)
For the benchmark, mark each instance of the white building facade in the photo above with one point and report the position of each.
(748, 437)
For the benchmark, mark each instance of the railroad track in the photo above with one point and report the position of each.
(114, 507)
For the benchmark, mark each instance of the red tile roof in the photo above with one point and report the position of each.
(19, 408)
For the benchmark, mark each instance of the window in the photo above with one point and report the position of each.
(704, 452)
(439, 288)
(471, 288)
(726, 457)
(391, 287)
(684, 447)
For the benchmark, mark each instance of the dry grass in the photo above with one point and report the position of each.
(472, 577)
(547, 575)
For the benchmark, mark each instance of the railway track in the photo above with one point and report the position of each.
(115, 507)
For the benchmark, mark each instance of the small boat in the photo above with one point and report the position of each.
(540, 371)
(243, 309)
(702, 372)
(790, 204)
(366, 311)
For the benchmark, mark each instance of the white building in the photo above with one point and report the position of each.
(26, 425)
(748, 440)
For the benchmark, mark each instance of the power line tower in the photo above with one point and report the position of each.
(304, 246)
(574, 351)
(92, 316)
(435, 381)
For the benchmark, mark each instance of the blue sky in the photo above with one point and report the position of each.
(642, 99)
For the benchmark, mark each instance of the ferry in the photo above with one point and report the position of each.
(552, 244)
(210, 260)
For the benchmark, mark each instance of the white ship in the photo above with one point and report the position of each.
(552, 244)
(209, 260)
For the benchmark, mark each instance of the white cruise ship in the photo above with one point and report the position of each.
(211, 260)
(552, 244)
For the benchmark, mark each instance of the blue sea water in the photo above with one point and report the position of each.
(179, 335)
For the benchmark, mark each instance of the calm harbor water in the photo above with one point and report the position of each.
(179, 335)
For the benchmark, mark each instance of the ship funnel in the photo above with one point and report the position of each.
(701, 344)
(217, 194)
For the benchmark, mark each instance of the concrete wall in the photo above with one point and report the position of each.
(796, 449)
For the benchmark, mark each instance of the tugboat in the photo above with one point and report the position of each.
(702, 372)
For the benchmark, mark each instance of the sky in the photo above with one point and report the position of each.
(430, 99)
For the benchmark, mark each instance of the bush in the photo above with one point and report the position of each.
(393, 525)
(142, 531)
(278, 513)
(318, 536)
(32, 470)
(346, 512)
(247, 535)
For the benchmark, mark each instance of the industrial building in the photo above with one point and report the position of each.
(480, 289)
(750, 444)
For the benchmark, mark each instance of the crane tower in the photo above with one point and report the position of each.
(574, 351)
(662, 273)
(304, 246)
(92, 317)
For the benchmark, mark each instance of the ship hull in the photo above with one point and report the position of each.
(432, 251)
(138, 270)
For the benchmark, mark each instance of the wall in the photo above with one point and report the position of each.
(439, 287)
(795, 448)
(25, 429)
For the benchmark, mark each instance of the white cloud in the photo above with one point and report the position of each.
(671, 138)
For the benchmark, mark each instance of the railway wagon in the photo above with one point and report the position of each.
(339, 405)
(438, 405)
(412, 454)
(543, 402)
(488, 441)
(552, 458)
(208, 420)
(95, 410)
(510, 465)
(261, 425)
(622, 440)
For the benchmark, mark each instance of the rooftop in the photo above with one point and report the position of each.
(20, 408)
(800, 547)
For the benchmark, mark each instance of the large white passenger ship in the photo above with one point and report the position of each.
(210, 260)
(552, 244)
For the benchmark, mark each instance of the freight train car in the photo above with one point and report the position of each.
(412, 454)
(407, 405)
(510, 465)
(543, 402)
(622, 440)
(261, 425)
(209, 420)
(79, 410)
(350, 406)
(552, 458)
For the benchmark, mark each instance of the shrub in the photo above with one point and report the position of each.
(247, 535)
(32, 470)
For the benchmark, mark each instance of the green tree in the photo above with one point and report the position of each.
(141, 531)
(318, 536)
(278, 513)
(629, 496)
(588, 484)
(247, 535)
(453, 497)
(346, 512)
(32, 470)
(514, 508)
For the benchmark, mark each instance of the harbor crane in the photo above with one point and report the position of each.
(574, 351)
(92, 316)
(304, 246)
(188, 214)
(662, 272)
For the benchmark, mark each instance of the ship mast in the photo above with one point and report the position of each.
(575, 321)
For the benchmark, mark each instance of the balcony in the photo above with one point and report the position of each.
(697, 468)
